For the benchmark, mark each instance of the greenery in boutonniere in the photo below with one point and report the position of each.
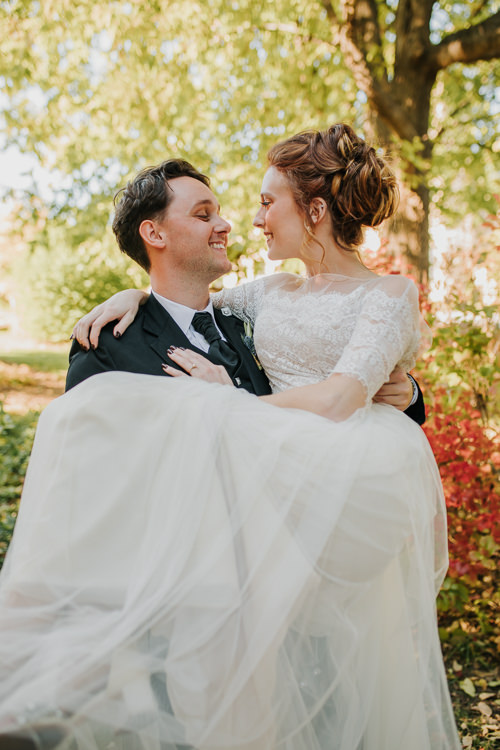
(249, 343)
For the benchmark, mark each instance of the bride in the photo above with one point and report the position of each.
(193, 567)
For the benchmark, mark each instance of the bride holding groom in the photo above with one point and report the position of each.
(195, 566)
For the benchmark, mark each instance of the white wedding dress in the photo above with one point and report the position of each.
(194, 567)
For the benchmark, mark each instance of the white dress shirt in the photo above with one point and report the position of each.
(183, 316)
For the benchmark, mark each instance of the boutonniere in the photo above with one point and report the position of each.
(248, 341)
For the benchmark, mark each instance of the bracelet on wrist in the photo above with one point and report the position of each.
(414, 395)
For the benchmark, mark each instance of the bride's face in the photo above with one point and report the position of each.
(279, 217)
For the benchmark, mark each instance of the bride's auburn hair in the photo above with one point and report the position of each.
(357, 185)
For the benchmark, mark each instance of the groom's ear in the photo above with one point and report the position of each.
(152, 233)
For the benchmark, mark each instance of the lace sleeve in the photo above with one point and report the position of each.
(244, 300)
(387, 333)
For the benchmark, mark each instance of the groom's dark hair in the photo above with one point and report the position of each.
(147, 196)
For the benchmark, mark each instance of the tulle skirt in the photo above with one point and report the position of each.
(194, 568)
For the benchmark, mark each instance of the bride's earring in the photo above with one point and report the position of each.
(317, 210)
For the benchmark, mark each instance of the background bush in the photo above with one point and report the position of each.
(16, 439)
(65, 283)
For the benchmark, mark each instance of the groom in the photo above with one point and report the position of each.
(168, 221)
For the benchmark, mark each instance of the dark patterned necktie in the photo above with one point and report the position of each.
(221, 351)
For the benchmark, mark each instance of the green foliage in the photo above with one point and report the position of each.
(107, 90)
(453, 597)
(468, 617)
(94, 92)
(16, 438)
(466, 324)
(464, 172)
(40, 360)
(465, 349)
(65, 282)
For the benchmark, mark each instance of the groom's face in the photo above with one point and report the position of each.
(194, 232)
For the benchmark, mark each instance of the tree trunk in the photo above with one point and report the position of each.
(399, 107)
(408, 231)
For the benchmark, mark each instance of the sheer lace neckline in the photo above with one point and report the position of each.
(331, 274)
(320, 283)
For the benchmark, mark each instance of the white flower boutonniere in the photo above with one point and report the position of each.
(248, 341)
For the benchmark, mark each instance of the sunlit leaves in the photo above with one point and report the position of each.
(98, 90)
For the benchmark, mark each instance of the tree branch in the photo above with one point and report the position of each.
(295, 30)
(412, 30)
(361, 45)
(361, 16)
(449, 116)
(479, 42)
(480, 7)
(330, 12)
(377, 91)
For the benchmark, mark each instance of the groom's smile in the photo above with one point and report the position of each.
(195, 233)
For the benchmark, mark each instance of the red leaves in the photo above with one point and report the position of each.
(468, 455)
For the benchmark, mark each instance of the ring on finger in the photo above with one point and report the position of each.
(193, 367)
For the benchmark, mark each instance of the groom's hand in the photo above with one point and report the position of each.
(398, 391)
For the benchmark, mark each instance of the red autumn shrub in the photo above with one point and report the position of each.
(468, 456)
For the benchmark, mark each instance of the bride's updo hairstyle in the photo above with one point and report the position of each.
(358, 186)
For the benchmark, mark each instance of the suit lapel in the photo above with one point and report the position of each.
(162, 332)
(160, 329)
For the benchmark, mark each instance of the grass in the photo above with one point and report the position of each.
(40, 360)
(31, 378)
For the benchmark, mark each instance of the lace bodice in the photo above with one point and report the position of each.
(307, 329)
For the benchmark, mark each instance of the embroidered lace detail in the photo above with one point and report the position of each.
(307, 329)
(244, 300)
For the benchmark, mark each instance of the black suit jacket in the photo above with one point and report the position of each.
(143, 348)
(417, 411)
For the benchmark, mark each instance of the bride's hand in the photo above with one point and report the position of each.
(122, 306)
(195, 365)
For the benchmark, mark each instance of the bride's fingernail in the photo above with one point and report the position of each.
(171, 349)
(117, 335)
(72, 337)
